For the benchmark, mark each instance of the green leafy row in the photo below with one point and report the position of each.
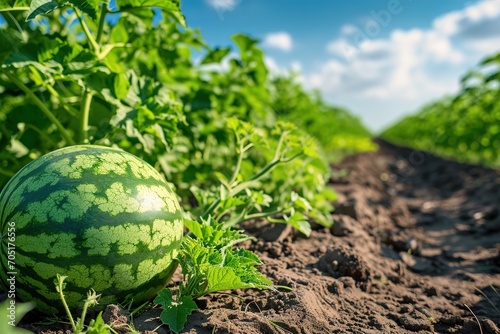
(337, 131)
(466, 126)
(68, 79)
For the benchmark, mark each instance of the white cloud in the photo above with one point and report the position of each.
(459, 22)
(408, 67)
(223, 5)
(279, 40)
(478, 26)
(382, 68)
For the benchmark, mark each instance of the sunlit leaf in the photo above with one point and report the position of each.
(43, 7)
(172, 7)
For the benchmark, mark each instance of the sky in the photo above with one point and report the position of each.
(380, 59)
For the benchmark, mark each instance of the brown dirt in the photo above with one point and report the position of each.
(415, 249)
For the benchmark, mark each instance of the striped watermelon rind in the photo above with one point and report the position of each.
(101, 216)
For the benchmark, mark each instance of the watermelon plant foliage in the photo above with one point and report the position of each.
(122, 75)
(134, 85)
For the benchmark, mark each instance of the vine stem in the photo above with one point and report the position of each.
(60, 280)
(84, 115)
(102, 19)
(87, 32)
(14, 9)
(240, 160)
(87, 93)
(262, 214)
(41, 105)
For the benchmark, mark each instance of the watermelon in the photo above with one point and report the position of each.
(100, 216)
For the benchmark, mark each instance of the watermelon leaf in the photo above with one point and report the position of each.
(215, 264)
(175, 312)
(209, 263)
(46, 6)
(299, 221)
(171, 7)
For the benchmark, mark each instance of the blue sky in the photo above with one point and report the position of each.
(378, 58)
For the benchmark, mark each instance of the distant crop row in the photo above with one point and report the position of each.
(466, 126)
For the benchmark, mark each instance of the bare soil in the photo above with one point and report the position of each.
(415, 248)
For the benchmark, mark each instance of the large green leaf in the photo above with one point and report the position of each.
(172, 7)
(224, 278)
(38, 7)
(175, 312)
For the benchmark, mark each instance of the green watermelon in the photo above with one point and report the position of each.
(101, 216)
